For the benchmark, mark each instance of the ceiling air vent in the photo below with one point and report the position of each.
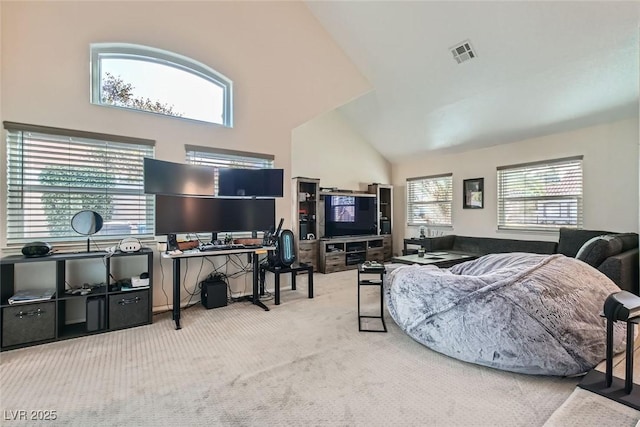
(463, 52)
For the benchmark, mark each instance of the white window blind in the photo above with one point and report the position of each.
(220, 158)
(429, 200)
(54, 173)
(544, 195)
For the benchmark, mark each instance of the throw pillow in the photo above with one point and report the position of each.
(597, 249)
(571, 240)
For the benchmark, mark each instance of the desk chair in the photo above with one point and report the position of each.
(293, 269)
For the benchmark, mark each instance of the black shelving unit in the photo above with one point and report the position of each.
(38, 322)
(371, 277)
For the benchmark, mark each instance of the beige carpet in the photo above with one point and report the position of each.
(584, 408)
(595, 410)
(303, 362)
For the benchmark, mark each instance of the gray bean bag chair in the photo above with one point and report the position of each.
(519, 312)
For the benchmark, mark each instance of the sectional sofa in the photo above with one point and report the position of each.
(614, 254)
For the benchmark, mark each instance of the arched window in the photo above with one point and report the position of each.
(157, 81)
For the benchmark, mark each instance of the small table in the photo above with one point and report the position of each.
(293, 269)
(442, 259)
(380, 271)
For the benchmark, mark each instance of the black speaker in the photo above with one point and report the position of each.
(213, 293)
(303, 231)
(385, 226)
(172, 242)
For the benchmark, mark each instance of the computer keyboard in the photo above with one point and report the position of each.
(211, 247)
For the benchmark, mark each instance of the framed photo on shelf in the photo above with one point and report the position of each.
(473, 194)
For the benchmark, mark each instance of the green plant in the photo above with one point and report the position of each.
(81, 188)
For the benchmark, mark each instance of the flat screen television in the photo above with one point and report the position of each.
(189, 214)
(161, 177)
(349, 215)
(238, 182)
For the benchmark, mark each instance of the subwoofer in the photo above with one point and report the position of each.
(303, 231)
(213, 293)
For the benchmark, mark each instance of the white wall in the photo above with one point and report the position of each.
(327, 148)
(610, 169)
(285, 69)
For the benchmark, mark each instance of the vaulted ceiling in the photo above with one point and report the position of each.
(540, 67)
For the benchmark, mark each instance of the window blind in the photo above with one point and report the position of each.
(544, 195)
(54, 173)
(429, 200)
(220, 158)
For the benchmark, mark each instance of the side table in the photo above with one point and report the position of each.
(293, 269)
(377, 281)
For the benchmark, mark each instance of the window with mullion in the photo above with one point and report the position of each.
(429, 200)
(543, 195)
(54, 173)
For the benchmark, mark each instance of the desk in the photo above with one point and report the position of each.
(253, 252)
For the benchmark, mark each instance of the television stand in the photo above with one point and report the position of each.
(345, 253)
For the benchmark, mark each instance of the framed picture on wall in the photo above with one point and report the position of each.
(473, 194)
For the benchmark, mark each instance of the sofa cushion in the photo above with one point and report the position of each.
(597, 249)
(629, 240)
(438, 243)
(623, 270)
(489, 245)
(571, 240)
